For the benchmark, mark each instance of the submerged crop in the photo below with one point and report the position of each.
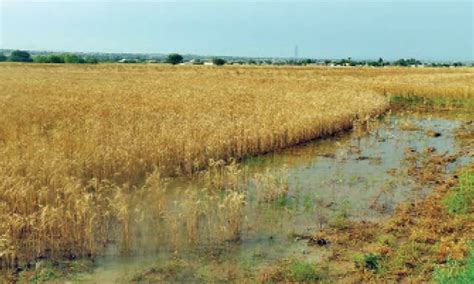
(90, 153)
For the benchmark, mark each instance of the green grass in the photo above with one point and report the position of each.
(456, 272)
(459, 199)
(304, 271)
(44, 275)
(297, 271)
(405, 101)
(55, 271)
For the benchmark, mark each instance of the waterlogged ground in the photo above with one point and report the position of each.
(231, 228)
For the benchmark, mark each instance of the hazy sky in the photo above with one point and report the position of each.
(423, 29)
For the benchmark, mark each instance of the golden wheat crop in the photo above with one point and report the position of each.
(75, 140)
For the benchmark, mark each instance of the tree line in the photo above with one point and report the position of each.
(175, 58)
(24, 56)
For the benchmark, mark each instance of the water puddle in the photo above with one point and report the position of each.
(228, 228)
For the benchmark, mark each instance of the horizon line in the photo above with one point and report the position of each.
(236, 56)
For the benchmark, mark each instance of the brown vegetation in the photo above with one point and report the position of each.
(418, 237)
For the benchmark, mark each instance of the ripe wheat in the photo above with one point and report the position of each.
(75, 141)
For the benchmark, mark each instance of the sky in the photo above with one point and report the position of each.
(430, 30)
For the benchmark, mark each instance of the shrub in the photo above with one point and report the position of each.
(3, 57)
(367, 262)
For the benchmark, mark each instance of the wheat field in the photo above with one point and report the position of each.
(73, 137)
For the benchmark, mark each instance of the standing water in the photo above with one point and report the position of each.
(231, 222)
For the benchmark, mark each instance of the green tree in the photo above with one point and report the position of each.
(41, 59)
(20, 56)
(401, 62)
(55, 59)
(413, 61)
(3, 57)
(73, 59)
(174, 58)
(218, 61)
(407, 62)
(91, 60)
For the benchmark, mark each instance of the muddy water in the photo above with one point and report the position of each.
(357, 175)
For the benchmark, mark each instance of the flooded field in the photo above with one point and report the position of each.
(232, 222)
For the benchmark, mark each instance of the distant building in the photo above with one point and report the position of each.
(208, 63)
(195, 62)
(125, 60)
